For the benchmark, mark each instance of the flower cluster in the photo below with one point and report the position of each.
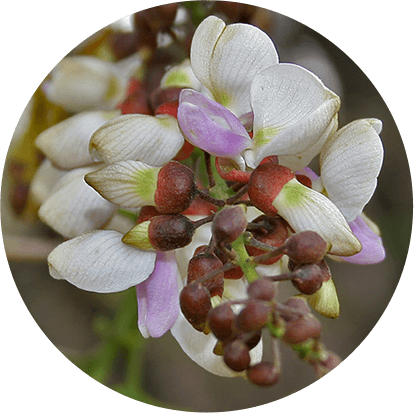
(223, 202)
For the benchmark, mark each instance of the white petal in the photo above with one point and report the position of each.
(74, 207)
(130, 184)
(325, 301)
(292, 110)
(202, 47)
(301, 160)
(66, 144)
(181, 75)
(81, 83)
(45, 180)
(99, 261)
(307, 210)
(226, 59)
(350, 163)
(152, 140)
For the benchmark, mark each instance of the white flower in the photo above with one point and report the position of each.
(84, 83)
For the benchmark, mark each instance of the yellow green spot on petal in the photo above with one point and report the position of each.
(177, 79)
(292, 193)
(147, 184)
(138, 237)
(265, 135)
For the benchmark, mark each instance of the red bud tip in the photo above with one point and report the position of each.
(266, 181)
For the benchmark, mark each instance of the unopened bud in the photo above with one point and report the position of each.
(202, 264)
(175, 188)
(306, 247)
(261, 289)
(229, 224)
(161, 233)
(301, 329)
(254, 316)
(273, 231)
(308, 278)
(263, 374)
(221, 321)
(236, 355)
(195, 304)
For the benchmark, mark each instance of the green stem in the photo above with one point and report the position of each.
(244, 260)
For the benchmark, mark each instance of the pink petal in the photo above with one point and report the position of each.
(372, 249)
(158, 302)
(211, 126)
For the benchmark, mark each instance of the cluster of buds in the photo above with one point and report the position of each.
(238, 325)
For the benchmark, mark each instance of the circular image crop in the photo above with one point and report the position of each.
(199, 206)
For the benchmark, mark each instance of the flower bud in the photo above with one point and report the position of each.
(175, 188)
(296, 303)
(306, 247)
(265, 183)
(254, 316)
(263, 374)
(273, 232)
(261, 289)
(236, 355)
(161, 233)
(221, 321)
(301, 329)
(195, 304)
(202, 264)
(308, 278)
(229, 224)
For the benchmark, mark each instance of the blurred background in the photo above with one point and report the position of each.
(81, 324)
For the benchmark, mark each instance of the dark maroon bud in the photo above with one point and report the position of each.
(263, 374)
(301, 329)
(221, 321)
(261, 289)
(308, 278)
(175, 188)
(169, 232)
(254, 316)
(306, 247)
(203, 264)
(236, 355)
(233, 273)
(195, 304)
(252, 340)
(229, 224)
(273, 231)
(299, 305)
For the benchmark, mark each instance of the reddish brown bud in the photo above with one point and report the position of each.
(169, 232)
(233, 273)
(265, 183)
(175, 188)
(306, 247)
(273, 231)
(261, 289)
(263, 374)
(308, 278)
(202, 264)
(195, 304)
(236, 355)
(146, 213)
(301, 329)
(296, 303)
(254, 316)
(229, 224)
(165, 95)
(221, 321)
